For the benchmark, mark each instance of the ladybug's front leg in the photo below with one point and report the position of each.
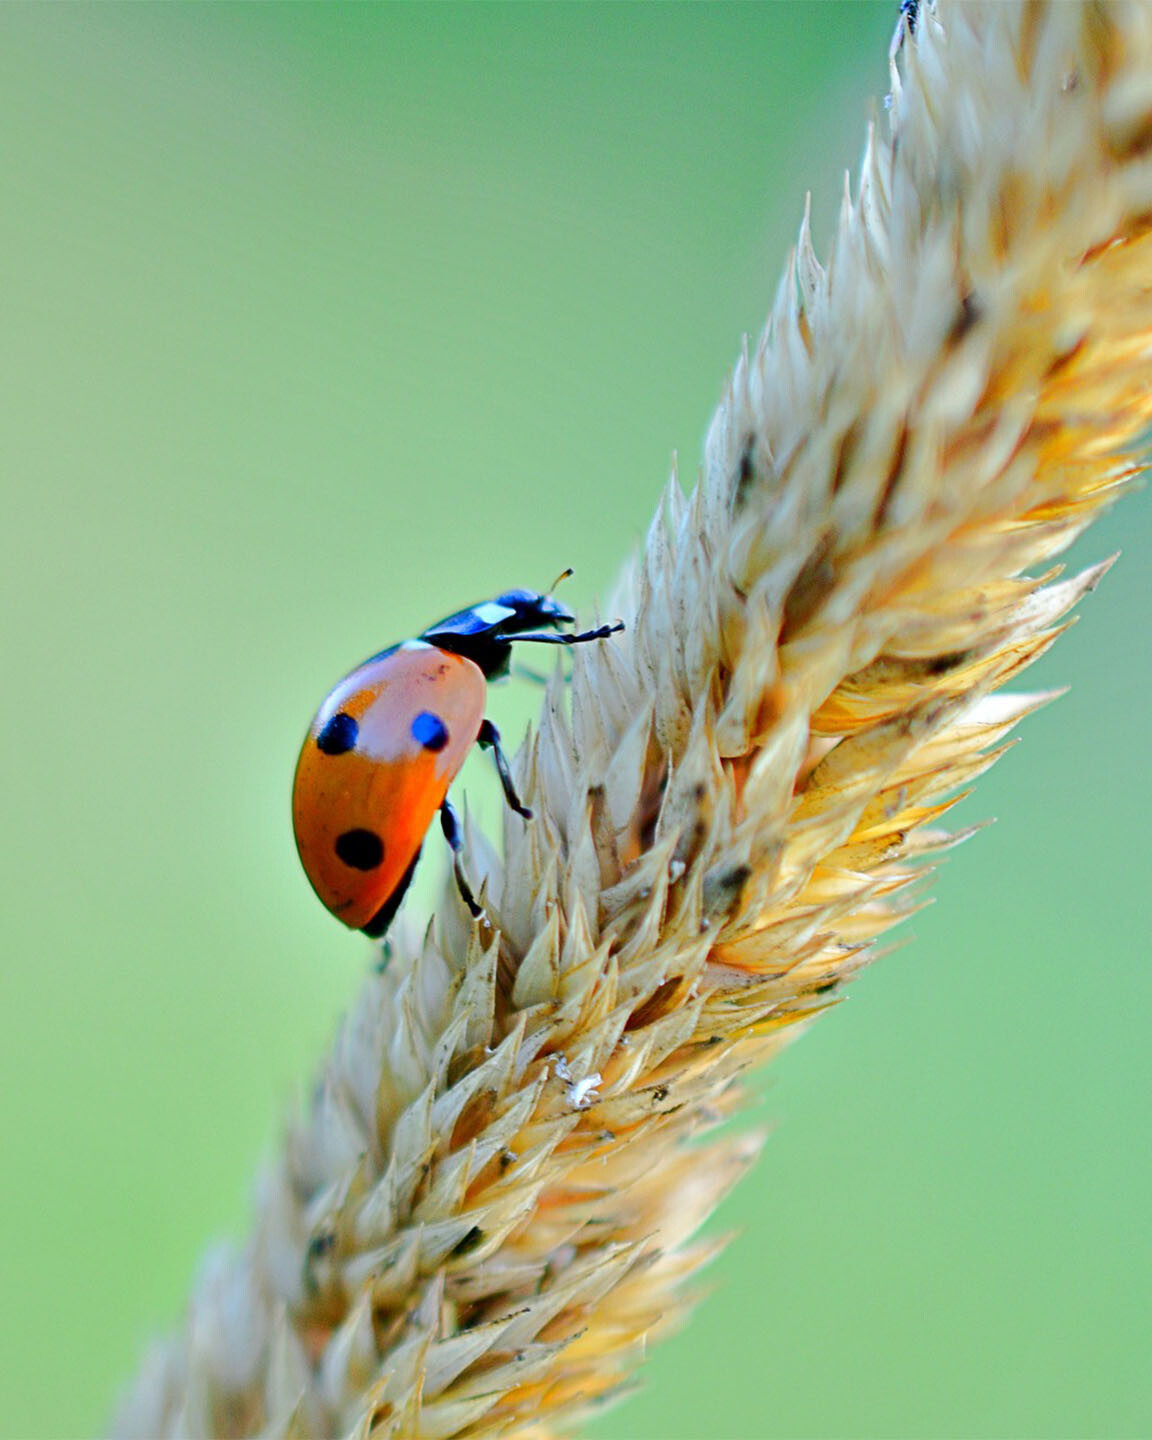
(546, 637)
(450, 824)
(489, 739)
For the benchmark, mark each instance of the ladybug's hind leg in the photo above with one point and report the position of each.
(450, 824)
(489, 739)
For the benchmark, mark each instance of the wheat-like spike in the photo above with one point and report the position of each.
(491, 1202)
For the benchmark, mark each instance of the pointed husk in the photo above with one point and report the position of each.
(491, 1204)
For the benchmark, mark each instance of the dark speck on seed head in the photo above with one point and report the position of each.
(470, 1241)
(967, 315)
(745, 471)
(338, 735)
(362, 849)
(321, 1244)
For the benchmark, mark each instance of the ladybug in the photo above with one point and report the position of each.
(389, 740)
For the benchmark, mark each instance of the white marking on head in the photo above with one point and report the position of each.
(417, 645)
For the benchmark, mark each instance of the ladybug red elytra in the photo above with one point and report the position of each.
(390, 739)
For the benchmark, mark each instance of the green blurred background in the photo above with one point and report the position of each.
(318, 322)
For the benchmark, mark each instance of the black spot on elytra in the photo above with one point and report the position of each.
(430, 731)
(339, 734)
(362, 849)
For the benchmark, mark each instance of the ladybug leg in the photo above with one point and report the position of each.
(536, 676)
(600, 633)
(450, 824)
(489, 739)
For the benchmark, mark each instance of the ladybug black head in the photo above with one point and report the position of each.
(529, 609)
(485, 631)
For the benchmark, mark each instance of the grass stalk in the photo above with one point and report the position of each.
(493, 1201)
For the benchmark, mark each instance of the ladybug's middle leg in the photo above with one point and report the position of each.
(489, 739)
(450, 824)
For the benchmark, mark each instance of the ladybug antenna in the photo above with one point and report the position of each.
(564, 575)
